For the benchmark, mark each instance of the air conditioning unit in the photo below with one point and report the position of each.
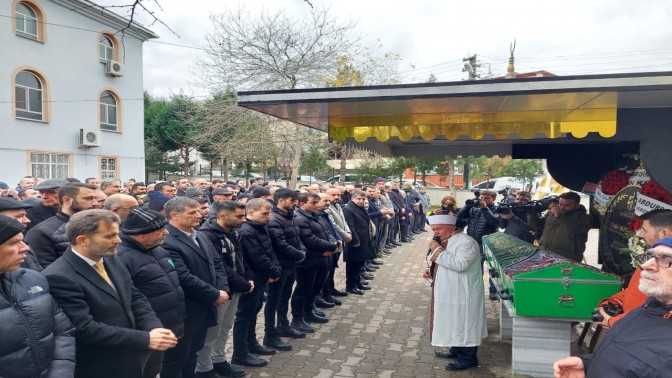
(89, 138)
(113, 68)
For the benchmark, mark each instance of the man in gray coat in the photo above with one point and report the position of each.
(335, 213)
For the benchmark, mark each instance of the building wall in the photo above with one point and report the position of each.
(69, 62)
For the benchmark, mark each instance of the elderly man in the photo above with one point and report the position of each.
(116, 326)
(638, 345)
(459, 304)
(37, 337)
(49, 205)
(120, 204)
(17, 210)
(566, 232)
(110, 186)
(361, 247)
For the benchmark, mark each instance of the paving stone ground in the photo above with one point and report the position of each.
(384, 333)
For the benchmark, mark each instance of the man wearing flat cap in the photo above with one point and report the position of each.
(17, 210)
(153, 273)
(49, 204)
(459, 301)
(37, 337)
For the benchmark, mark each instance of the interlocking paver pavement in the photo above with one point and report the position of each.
(385, 332)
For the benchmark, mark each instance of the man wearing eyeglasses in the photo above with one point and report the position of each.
(638, 345)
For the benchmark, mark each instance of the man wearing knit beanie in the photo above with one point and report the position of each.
(154, 274)
(29, 319)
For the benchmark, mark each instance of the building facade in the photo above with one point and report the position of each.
(71, 91)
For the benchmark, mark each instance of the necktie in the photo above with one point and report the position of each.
(100, 268)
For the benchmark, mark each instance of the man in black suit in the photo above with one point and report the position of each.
(361, 247)
(115, 324)
(201, 274)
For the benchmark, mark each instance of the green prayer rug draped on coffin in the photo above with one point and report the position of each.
(541, 283)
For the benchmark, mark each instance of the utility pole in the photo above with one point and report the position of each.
(471, 66)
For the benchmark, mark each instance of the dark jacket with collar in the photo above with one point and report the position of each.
(397, 200)
(637, 346)
(154, 274)
(39, 213)
(358, 221)
(316, 239)
(285, 237)
(480, 221)
(37, 337)
(258, 252)
(237, 274)
(48, 239)
(201, 273)
(567, 234)
(112, 324)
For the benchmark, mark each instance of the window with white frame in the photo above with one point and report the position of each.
(105, 49)
(28, 96)
(108, 112)
(26, 21)
(108, 167)
(49, 165)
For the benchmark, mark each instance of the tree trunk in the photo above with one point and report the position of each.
(344, 163)
(225, 169)
(451, 179)
(184, 153)
(296, 159)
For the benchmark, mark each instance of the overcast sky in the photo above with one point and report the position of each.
(431, 36)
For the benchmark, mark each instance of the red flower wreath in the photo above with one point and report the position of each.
(614, 181)
(651, 189)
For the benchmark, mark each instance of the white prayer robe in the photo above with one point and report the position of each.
(459, 296)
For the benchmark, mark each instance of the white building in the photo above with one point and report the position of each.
(71, 93)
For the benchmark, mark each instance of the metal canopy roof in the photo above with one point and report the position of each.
(482, 117)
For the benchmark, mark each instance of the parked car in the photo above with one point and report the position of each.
(498, 184)
(301, 178)
(349, 179)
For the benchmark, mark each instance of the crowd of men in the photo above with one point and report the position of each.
(112, 279)
(127, 279)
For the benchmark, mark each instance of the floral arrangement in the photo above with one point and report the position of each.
(614, 181)
(651, 189)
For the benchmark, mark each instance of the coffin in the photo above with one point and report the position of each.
(541, 283)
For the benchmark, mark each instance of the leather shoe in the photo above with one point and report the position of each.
(362, 287)
(355, 291)
(321, 303)
(319, 313)
(300, 325)
(377, 262)
(370, 269)
(389, 246)
(249, 360)
(288, 331)
(331, 299)
(277, 343)
(459, 365)
(367, 276)
(444, 353)
(493, 296)
(207, 374)
(405, 240)
(397, 243)
(316, 319)
(338, 293)
(387, 251)
(262, 350)
(225, 369)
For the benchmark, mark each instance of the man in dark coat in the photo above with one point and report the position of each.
(48, 205)
(116, 326)
(17, 210)
(202, 277)
(48, 239)
(566, 229)
(311, 272)
(260, 257)
(30, 320)
(153, 273)
(361, 247)
(222, 233)
(289, 250)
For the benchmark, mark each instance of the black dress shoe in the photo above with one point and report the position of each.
(405, 240)
(397, 243)
(207, 374)
(288, 331)
(321, 303)
(459, 365)
(377, 262)
(262, 350)
(300, 325)
(363, 287)
(338, 293)
(444, 353)
(370, 269)
(389, 246)
(249, 360)
(319, 313)
(277, 343)
(355, 291)
(387, 252)
(225, 369)
(367, 276)
(315, 319)
(331, 299)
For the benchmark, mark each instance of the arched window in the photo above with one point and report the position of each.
(108, 112)
(28, 96)
(26, 21)
(105, 48)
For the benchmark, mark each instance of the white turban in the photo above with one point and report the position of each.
(442, 219)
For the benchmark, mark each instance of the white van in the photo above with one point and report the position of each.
(499, 184)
